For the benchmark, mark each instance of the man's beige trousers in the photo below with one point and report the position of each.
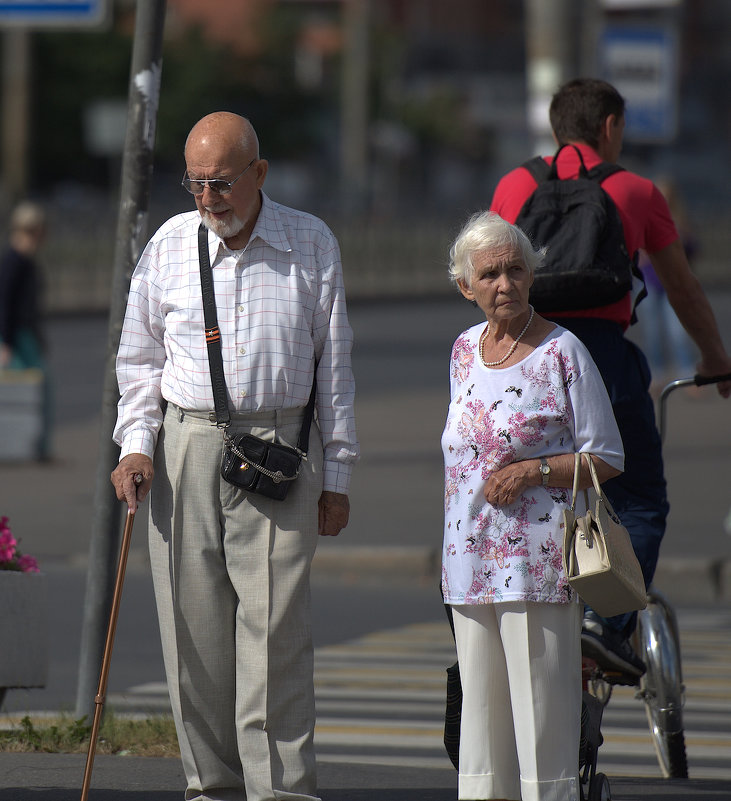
(231, 574)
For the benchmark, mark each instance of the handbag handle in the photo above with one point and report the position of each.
(594, 481)
(594, 477)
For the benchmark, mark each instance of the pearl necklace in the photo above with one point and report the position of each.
(512, 347)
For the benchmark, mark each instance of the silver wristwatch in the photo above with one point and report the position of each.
(545, 471)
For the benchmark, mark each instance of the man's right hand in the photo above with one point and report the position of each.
(132, 479)
(716, 368)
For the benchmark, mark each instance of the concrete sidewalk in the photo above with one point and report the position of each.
(58, 777)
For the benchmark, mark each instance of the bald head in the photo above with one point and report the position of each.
(224, 133)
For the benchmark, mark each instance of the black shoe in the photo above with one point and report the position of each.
(609, 650)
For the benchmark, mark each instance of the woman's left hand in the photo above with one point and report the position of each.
(506, 485)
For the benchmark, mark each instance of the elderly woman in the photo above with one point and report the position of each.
(525, 396)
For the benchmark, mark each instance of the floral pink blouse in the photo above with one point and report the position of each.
(552, 402)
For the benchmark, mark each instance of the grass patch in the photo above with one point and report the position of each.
(152, 737)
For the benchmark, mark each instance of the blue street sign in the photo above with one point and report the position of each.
(642, 63)
(54, 13)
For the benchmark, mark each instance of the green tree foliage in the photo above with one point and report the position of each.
(72, 70)
(198, 79)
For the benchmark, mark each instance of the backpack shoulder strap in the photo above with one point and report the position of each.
(538, 168)
(603, 170)
(542, 171)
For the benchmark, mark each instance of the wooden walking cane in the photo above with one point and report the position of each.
(107, 658)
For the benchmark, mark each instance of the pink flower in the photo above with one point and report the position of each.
(10, 557)
(7, 545)
(28, 564)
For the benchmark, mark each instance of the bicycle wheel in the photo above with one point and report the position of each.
(599, 789)
(661, 687)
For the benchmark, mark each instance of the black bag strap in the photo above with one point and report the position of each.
(303, 442)
(213, 333)
(553, 171)
(215, 356)
(538, 167)
(603, 170)
(542, 171)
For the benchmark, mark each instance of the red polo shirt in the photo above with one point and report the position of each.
(644, 212)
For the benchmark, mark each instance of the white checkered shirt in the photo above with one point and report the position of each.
(281, 305)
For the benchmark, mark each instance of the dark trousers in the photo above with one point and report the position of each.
(639, 494)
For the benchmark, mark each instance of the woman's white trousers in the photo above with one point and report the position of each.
(520, 665)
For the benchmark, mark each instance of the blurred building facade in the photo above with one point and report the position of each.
(449, 95)
(394, 119)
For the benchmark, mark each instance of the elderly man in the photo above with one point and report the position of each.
(231, 568)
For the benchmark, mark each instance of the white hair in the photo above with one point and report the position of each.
(488, 231)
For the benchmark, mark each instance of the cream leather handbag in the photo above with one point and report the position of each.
(599, 560)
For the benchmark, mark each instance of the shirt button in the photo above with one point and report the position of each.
(242, 350)
(241, 307)
(242, 393)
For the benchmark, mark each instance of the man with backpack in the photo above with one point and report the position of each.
(572, 206)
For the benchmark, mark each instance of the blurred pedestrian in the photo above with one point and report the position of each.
(231, 569)
(525, 397)
(22, 339)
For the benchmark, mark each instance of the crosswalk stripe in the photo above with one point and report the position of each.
(380, 701)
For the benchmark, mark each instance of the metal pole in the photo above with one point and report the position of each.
(144, 90)
(15, 106)
(592, 21)
(354, 107)
(551, 54)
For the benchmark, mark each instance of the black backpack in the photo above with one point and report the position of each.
(587, 263)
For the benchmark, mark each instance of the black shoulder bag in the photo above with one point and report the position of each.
(248, 462)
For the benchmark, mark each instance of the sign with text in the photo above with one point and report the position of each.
(642, 63)
(54, 13)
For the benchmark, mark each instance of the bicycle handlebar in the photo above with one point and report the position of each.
(702, 380)
(697, 381)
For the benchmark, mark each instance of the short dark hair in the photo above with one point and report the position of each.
(580, 107)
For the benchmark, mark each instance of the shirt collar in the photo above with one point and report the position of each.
(268, 227)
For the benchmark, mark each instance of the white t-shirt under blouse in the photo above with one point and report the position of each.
(552, 402)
